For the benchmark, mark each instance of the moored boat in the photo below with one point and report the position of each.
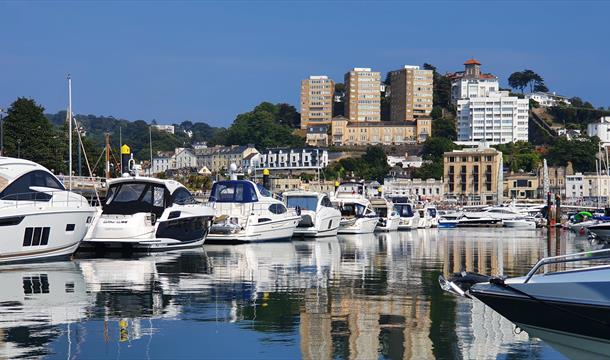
(39, 219)
(318, 216)
(149, 214)
(247, 212)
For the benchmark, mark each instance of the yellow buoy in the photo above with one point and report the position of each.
(125, 150)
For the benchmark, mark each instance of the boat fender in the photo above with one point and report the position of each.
(298, 210)
(153, 218)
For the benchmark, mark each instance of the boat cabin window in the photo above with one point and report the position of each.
(132, 198)
(404, 210)
(233, 191)
(277, 209)
(183, 197)
(432, 212)
(381, 211)
(303, 202)
(19, 189)
(326, 202)
(353, 210)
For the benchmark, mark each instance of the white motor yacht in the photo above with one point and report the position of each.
(409, 219)
(39, 219)
(149, 214)
(496, 213)
(247, 212)
(424, 221)
(318, 215)
(527, 222)
(432, 214)
(388, 217)
(357, 215)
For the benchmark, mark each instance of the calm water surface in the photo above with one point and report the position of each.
(351, 297)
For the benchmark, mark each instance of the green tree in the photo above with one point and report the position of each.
(435, 147)
(262, 127)
(444, 128)
(581, 152)
(430, 170)
(28, 133)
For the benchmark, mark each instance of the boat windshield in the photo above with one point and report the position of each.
(132, 198)
(263, 190)
(352, 210)
(233, 191)
(404, 210)
(432, 212)
(303, 202)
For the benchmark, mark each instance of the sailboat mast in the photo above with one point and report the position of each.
(69, 133)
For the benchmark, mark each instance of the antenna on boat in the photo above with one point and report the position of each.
(69, 133)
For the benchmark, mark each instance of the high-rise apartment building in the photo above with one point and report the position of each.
(411, 93)
(363, 95)
(496, 119)
(317, 95)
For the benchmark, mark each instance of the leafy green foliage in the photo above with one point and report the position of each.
(433, 151)
(580, 152)
(444, 128)
(580, 115)
(28, 133)
(520, 155)
(522, 79)
(265, 127)
(373, 165)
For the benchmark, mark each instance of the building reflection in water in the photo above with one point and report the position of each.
(351, 297)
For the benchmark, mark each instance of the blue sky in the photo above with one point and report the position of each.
(208, 61)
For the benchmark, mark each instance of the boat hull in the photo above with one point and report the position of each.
(274, 230)
(43, 236)
(571, 318)
(365, 225)
(391, 224)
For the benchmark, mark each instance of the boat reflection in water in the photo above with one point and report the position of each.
(351, 297)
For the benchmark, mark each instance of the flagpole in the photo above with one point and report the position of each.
(69, 133)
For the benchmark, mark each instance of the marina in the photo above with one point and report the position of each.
(349, 296)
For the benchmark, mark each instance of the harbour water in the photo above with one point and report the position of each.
(347, 297)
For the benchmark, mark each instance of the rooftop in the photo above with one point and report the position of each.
(472, 62)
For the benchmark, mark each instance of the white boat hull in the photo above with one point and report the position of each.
(391, 224)
(49, 234)
(277, 229)
(409, 223)
(519, 224)
(363, 225)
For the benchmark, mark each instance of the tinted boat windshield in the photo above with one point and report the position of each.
(303, 202)
(404, 210)
(352, 210)
(432, 212)
(132, 198)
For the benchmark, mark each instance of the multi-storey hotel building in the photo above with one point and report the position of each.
(411, 93)
(317, 94)
(363, 95)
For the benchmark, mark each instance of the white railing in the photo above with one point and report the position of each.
(59, 198)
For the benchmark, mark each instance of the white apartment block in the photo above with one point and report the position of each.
(430, 189)
(601, 129)
(165, 128)
(317, 95)
(587, 188)
(289, 159)
(363, 95)
(497, 119)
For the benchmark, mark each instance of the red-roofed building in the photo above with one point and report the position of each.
(471, 82)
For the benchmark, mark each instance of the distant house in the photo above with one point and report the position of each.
(291, 159)
(165, 128)
(406, 161)
(546, 99)
(219, 158)
(601, 129)
(180, 158)
(199, 145)
(317, 135)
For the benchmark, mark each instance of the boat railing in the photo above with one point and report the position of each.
(562, 259)
(46, 198)
(246, 209)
